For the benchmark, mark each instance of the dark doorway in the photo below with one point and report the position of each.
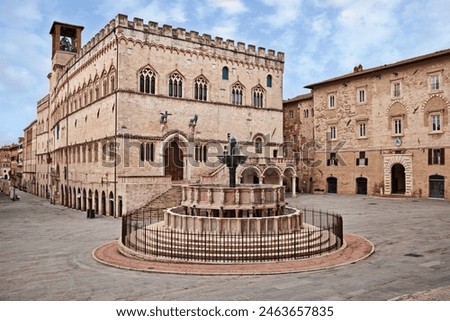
(436, 186)
(120, 206)
(398, 179)
(89, 205)
(96, 201)
(111, 204)
(173, 161)
(79, 199)
(84, 203)
(361, 185)
(103, 212)
(332, 185)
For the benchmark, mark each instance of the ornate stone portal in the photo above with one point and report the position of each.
(391, 182)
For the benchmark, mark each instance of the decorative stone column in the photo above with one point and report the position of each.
(294, 186)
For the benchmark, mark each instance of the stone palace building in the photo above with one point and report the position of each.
(141, 108)
(377, 131)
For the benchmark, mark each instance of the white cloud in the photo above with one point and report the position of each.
(226, 29)
(26, 12)
(229, 7)
(433, 24)
(321, 26)
(363, 31)
(285, 12)
(164, 12)
(23, 46)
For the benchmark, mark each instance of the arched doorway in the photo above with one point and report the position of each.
(89, 205)
(111, 204)
(250, 175)
(103, 212)
(96, 202)
(84, 204)
(63, 195)
(79, 199)
(174, 161)
(361, 185)
(289, 180)
(120, 208)
(272, 175)
(436, 183)
(74, 198)
(398, 181)
(332, 185)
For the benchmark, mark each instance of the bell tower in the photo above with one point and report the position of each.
(66, 42)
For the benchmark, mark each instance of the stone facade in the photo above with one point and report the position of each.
(41, 149)
(385, 130)
(140, 106)
(10, 167)
(298, 135)
(29, 158)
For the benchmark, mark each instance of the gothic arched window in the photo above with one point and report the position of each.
(237, 94)
(258, 97)
(175, 85)
(200, 89)
(147, 81)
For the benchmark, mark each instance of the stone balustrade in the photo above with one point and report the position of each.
(243, 197)
(175, 219)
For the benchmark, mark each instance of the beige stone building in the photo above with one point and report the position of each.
(10, 167)
(385, 130)
(141, 107)
(5, 161)
(28, 183)
(298, 136)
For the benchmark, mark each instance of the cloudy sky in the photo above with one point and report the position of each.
(321, 38)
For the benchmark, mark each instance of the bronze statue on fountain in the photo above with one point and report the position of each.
(232, 158)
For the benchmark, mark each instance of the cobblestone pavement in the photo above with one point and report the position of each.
(46, 254)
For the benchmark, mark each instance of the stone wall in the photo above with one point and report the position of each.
(382, 145)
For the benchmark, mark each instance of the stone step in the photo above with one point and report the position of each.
(168, 199)
(232, 249)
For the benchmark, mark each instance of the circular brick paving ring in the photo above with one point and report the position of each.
(355, 248)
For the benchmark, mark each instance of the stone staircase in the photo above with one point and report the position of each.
(155, 241)
(168, 199)
(218, 176)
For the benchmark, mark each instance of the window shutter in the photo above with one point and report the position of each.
(442, 156)
(430, 156)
